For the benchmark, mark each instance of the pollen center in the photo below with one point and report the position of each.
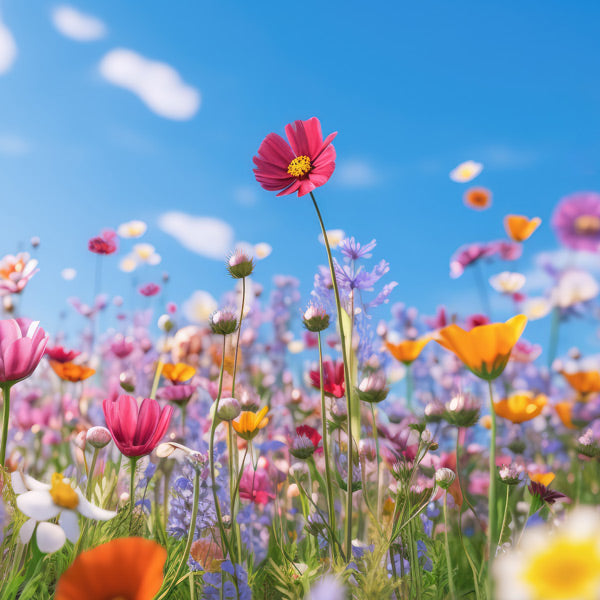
(62, 493)
(300, 166)
(587, 224)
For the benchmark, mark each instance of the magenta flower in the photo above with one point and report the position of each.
(105, 243)
(305, 162)
(576, 221)
(178, 394)
(15, 273)
(136, 430)
(122, 346)
(22, 345)
(149, 289)
(61, 354)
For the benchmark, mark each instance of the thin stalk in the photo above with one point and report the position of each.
(328, 476)
(90, 481)
(183, 416)
(157, 373)
(376, 436)
(347, 380)
(492, 491)
(132, 462)
(5, 416)
(237, 343)
(409, 387)
(505, 515)
(447, 547)
(553, 341)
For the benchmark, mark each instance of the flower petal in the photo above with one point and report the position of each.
(69, 522)
(37, 504)
(50, 537)
(27, 530)
(91, 511)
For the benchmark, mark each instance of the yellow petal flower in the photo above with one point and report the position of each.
(408, 351)
(520, 228)
(521, 406)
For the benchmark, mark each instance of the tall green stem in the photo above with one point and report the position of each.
(447, 547)
(347, 380)
(505, 514)
(237, 343)
(5, 416)
(409, 387)
(90, 481)
(492, 491)
(553, 342)
(133, 463)
(326, 456)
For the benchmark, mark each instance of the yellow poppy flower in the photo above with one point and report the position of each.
(544, 478)
(584, 382)
(178, 372)
(408, 351)
(485, 349)
(248, 423)
(520, 228)
(563, 410)
(520, 406)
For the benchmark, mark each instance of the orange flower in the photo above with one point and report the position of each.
(584, 382)
(478, 198)
(520, 228)
(544, 478)
(564, 409)
(249, 423)
(485, 349)
(408, 351)
(178, 372)
(69, 371)
(129, 568)
(520, 406)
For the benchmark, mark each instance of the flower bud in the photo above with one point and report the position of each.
(434, 412)
(588, 445)
(315, 319)
(127, 381)
(462, 410)
(444, 477)
(373, 388)
(80, 440)
(298, 470)
(510, 474)
(302, 447)
(98, 437)
(240, 265)
(223, 322)
(229, 409)
(165, 323)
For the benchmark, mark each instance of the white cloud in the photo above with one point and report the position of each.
(206, 236)
(13, 145)
(8, 49)
(157, 84)
(68, 274)
(356, 173)
(77, 25)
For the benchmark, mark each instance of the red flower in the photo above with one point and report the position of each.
(150, 289)
(312, 434)
(136, 430)
(333, 375)
(301, 164)
(105, 243)
(59, 354)
(256, 485)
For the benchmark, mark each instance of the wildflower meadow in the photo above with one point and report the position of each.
(288, 439)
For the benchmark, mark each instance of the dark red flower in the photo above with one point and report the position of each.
(312, 434)
(476, 320)
(59, 354)
(105, 243)
(544, 493)
(333, 375)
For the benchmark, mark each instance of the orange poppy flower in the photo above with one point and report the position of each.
(478, 198)
(408, 351)
(520, 228)
(520, 406)
(485, 349)
(544, 478)
(129, 568)
(584, 382)
(249, 423)
(69, 371)
(178, 372)
(564, 409)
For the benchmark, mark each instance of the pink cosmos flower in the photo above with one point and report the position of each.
(122, 346)
(149, 289)
(576, 221)
(105, 243)
(256, 486)
(301, 164)
(136, 430)
(22, 345)
(15, 273)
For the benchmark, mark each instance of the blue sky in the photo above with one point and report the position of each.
(412, 88)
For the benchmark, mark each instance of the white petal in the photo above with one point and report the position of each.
(34, 484)
(91, 511)
(18, 485)
(38, 505)
(69, 522)
(49, 537)
(27, 530)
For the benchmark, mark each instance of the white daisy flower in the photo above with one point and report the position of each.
(466, 171)
(146, 253)
(42, 502)
(262, 250)
(334, 237)
(507, 282)
(132, 229)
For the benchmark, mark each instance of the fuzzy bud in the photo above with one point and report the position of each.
(229, 409)
(223, 322)
(315, 319)
(444, 477)
(240, 265)
(462, 411)
(127, 381)
(165, 323)
(373, 388)
(510, 474)
(98, 437)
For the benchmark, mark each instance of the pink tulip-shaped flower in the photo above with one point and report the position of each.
(305, 162)
(136, 430)
(22, 345)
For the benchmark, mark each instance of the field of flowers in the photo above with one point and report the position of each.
(410, 457)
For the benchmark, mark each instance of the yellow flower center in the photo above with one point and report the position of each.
(62, 493)
(300, 166)
(587, 224)
(568, 568)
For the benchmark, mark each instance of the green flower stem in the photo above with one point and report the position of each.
(447, 547)
(133, 463)
(5, 416)
(237, 343)
(492, 491)
(326, 455)
(90, 481)
(505, 514)
(347, 380)
(553, 342)
(183, 417)
(157, 374)
(409, 387)
(376, 436)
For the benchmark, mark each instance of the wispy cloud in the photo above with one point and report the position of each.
(13, 145)
(356, 173)
(246, 195)
(206, 236)
(8, 49)
(76, 25)
(505, 157)
(158, 85)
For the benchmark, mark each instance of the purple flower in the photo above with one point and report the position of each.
(353, 250)
(576, 221)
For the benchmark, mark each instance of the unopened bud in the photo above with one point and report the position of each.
(98, 437)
